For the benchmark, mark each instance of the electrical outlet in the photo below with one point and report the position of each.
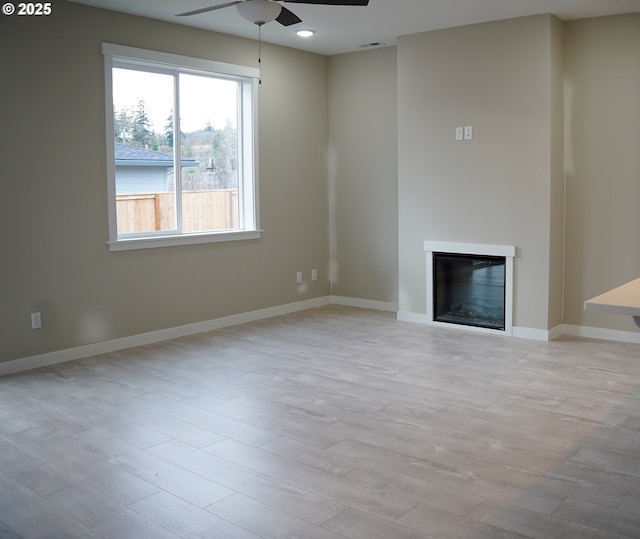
(314, 274)
(299, 277)
(36, 321)
(468, 132)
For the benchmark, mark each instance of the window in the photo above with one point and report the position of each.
(181, 149)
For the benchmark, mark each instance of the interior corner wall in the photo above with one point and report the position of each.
(363, 179)
(53, 210)
(495, 189)
(557, 177)
(602, 163)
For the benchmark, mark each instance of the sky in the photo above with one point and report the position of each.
(203, 99)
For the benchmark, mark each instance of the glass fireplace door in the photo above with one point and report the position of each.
(469, 290)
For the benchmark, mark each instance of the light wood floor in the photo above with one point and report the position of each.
(331, 423)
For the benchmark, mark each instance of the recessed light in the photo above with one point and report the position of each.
(306, 32)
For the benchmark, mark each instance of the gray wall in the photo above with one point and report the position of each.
(328, 128)
(603, 163)
(53, 210)
(499, 78)
(364, 175)
(555, 109)
(553, 169)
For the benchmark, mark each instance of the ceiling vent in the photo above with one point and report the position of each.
(372, 44)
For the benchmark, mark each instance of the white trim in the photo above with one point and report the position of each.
(532, 334)
(556, 332)
(250, 209)
(506, 251)
(365, 303)
(138, 57)
(540, 334)
(414, 318)
(69, 354)
(601, 333)
(470, 248)
(174, 64)
(110, 151)
(182, 239)
(88, 350)
(518, 332)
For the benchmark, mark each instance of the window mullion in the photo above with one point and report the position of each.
(177, 151)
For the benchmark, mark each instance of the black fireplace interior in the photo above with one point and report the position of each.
(469, 290)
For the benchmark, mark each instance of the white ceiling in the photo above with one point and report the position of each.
(345, 29)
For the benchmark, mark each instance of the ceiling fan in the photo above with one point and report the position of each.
(263, 11)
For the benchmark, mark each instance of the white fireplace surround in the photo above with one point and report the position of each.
(481, 249)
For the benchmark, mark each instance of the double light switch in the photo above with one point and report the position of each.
(464, 133)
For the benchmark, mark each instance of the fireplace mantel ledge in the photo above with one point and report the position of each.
(624, 299)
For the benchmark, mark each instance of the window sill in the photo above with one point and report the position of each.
(185, 239)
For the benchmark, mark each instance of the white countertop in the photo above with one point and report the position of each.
(624, 299)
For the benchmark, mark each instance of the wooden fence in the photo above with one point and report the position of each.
(215, 209)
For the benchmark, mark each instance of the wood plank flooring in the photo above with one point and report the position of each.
(333, 423)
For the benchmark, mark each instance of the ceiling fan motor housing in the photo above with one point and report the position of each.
(263, 11)
(259, 11)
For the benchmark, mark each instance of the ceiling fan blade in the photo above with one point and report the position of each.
(332, 2)
(210, 8)
(287, 18)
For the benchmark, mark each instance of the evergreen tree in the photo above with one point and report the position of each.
(142, 134)
(122, 125)
(168, 131)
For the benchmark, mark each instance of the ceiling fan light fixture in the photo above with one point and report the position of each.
(259, 11)
(305, 32)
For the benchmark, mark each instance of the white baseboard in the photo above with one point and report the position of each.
(517, 332)
(533, 334)
(365, 303)
(70, 354)
(547, 335)
(602, 333)
(416, 318)
(555, 332)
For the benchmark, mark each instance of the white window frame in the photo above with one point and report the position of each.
(120, 55)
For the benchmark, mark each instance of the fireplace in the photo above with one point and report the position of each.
(469, 289)
(470, 286)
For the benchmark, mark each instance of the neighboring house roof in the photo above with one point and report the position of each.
(132, 156)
